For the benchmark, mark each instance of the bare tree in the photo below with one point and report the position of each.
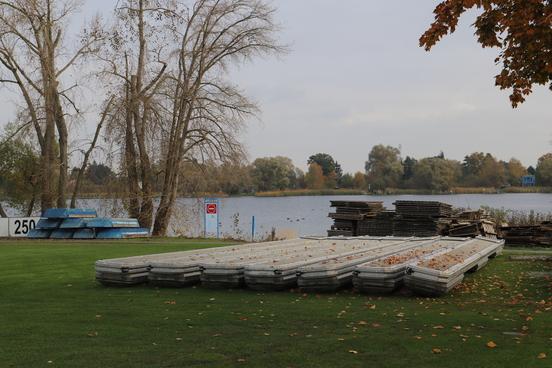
(208, 112)
(35, 58)
(136, 40)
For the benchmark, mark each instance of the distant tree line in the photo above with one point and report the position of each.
(386, 168)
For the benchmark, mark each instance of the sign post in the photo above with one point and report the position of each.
(211, 210)
(17, 227)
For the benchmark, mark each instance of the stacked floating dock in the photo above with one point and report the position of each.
(336, 273)
(386, 274)
(283, 272)
(75, 223)
(130, 270)
(372, 264)
(439, 274)
(186, 268)
(277, 268)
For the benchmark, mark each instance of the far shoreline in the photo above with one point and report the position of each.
(350, 192)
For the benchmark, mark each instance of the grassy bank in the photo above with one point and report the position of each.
(53, 314)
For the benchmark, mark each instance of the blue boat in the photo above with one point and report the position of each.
(47, 224)
(72, 223)
(39, 234)
(62, 234)
(84, 234)
(104, 222)
(124, 233)
(63, 213)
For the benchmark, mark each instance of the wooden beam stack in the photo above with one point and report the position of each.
(527, 235)
(349, 215)
(421, 218)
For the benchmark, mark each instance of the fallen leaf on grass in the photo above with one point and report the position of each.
(541, 356)
(436, 351)
(353, 351)
(170, 302)
(92, 334)
(491, 345)
(438, 327)
(241, 360)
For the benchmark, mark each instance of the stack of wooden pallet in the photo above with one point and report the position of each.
(472, 224)
(349, 214)
(421, 218)
(540, 235)
(380, 225)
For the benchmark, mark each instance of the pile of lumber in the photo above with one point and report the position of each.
(349, 214)
(421, 218)
(380, 225)
(472, 224)
(540, 235)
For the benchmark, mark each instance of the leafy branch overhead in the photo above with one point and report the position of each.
(520, 29)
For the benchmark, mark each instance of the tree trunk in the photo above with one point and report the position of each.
(30, 207)
(48, 158)
(63, 149)
(146, 210)
(2, 212)
(131, 169)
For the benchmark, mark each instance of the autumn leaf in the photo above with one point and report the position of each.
(436, 351)
(353, 351)
(491, 345)
(541, 356)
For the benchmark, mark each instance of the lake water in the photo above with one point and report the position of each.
(300, 216)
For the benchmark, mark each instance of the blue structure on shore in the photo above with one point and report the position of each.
(77, 223)
(528, 181)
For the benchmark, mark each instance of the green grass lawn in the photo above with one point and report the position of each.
(53, 314)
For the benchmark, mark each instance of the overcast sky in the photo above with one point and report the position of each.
(355, 77)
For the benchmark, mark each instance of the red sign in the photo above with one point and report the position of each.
(211, 209)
